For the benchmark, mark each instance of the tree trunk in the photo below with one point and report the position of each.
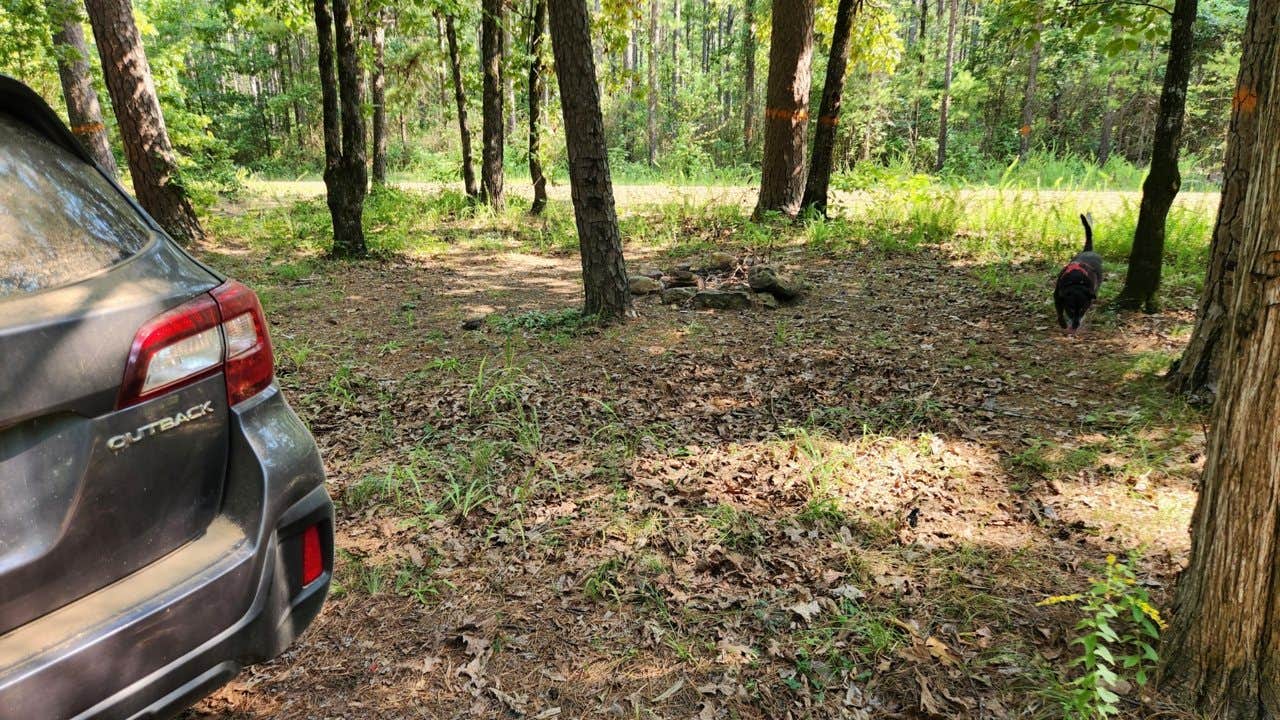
(1222, 654)
(345, 177)
(786, 108)
(675, 54)
(84, 113)
(1029, 95)
(460, 96)
(604, 274)
(1108, 122)
(378, 95)
(1201, 364)
(1163, 180)
(651, 119)
(749, 76)
(911, 23)
(536, 33)
(509, 81)
(152, 163)
(491, 23)
(824, 138)
(945, 106)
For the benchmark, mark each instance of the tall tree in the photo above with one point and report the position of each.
(1222, 653)
(345, 176)
(536, 34)
(1029, 92)
(748, 75)
(83, 109)
(824, 138)
(152, 163)
(460, 97)
(944, 107)
(1201, 363)
(786, 110)
(1163, 179)
(1108, 123)
(509, 82)
(491, 52)
(604, 273)
(378, 95)
(651, 69)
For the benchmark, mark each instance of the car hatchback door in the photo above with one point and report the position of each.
(105, 467)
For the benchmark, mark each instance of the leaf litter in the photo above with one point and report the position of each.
(825, 510)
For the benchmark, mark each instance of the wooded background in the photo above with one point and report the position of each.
(1063, 85)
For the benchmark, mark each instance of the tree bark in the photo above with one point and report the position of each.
(509, 81)
(378, 95)
(345, 176)
(84, 112)
(748, 76)
(1222, 653)
(536, 34)
(152, 163)
(604, 273)
(1108, 123)
(786, 108)
(460, 96)
(1029, 95)
(651, 110)
(491, 23)
(1163, 179)
(945, 106)
(675, 53)
(1200, 367)
(824, 138)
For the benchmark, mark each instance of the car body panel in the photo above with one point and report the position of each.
(147, 551)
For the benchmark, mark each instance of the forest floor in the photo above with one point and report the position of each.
(847, 507)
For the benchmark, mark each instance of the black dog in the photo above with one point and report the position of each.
(1078, 283)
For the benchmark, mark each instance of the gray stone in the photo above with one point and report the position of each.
(762, 277)
(641, 285)
(720, 261)
(678, 295)
(721, 300)
(787, 288)
(682, 277)
(646, 270)
(769, 301)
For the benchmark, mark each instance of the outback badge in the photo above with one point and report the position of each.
(119, 442)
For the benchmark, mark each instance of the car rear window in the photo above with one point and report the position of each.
(60, 220)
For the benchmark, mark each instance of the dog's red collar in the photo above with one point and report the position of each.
(1073, 267)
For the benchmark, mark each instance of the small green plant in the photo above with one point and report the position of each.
(604, 582)
(735, 529)
(569, 320)
(1119, 629)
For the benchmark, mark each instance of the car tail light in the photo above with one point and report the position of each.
(223, 330)
(249, 361)
(312, 555)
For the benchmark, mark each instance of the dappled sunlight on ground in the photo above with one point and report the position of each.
(825, 510)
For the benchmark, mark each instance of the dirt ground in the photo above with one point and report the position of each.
(848, 507)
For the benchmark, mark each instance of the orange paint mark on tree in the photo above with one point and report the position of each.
(1024, 131)
(88, 128)
(1245, 100)
(798, 115)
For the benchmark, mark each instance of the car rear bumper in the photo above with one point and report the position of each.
(156, 641)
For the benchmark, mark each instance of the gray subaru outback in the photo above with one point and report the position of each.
(163, 516)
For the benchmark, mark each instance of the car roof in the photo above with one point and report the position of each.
(29, 108)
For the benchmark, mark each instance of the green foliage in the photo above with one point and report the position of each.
(568, 320)
(1119, 630)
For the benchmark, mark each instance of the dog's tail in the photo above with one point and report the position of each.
(1088, 232)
